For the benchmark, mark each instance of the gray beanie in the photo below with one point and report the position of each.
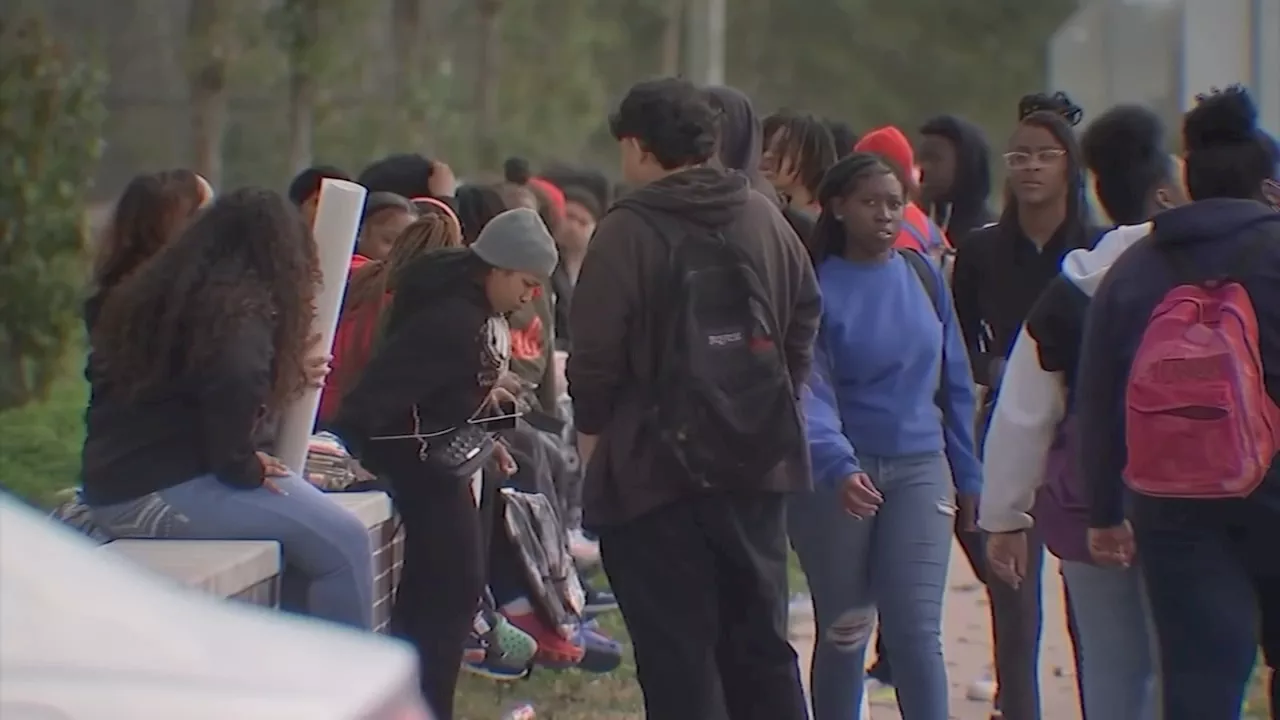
(518, 240)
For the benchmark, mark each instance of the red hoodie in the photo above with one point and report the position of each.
(918, 230)
(352, 346)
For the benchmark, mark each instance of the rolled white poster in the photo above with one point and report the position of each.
(337, 225)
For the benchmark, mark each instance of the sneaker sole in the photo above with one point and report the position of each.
(500, 675)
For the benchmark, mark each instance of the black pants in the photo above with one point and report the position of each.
(442, 579)
(702, 584)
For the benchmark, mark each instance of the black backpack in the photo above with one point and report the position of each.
(725, 408)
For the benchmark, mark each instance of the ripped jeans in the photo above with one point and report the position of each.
(896, 561)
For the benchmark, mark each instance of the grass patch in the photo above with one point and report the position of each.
(42, 442)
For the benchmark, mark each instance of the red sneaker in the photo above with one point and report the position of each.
(554, 650)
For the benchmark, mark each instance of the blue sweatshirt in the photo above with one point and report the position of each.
(1211, 235)
(881, 356)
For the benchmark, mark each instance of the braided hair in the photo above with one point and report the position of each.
(806, 142)
(828, 237)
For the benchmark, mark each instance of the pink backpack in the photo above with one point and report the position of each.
(1198, 420)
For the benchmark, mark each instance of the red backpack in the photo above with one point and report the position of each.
(1198, 420)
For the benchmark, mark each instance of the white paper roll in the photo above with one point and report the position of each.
(337, 225)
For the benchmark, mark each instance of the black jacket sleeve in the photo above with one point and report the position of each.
(1056, 322)
(434, 353)
(231, 395)
(1101, 379)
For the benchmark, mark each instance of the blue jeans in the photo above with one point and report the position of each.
(325, 548)
(1213, 580)
(1116, 644)
(896, 561)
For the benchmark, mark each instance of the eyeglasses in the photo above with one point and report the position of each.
(1040, 158)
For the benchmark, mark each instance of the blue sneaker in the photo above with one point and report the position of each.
(602, 654)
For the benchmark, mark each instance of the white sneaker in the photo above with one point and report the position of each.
(583, 549)
(982, 690)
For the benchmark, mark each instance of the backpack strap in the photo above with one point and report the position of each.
(921, 265)
(932, 286)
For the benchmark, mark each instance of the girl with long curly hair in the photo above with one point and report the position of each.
(191, 351)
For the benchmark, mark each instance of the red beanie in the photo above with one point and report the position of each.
(554, 194)
(889, 143)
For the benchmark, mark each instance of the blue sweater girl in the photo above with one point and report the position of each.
(890, 408)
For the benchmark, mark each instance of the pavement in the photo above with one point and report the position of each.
(967, 646)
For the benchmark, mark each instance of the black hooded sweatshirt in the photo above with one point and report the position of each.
(617, 311)
(442, 351)
(741, 137)
(965, 207)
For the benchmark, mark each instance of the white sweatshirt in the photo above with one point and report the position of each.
(1033, 402)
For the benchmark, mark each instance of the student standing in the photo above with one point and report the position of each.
(1000, 271)
(1178, 382)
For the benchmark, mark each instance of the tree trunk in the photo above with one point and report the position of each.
(304, 37)
(406, 39)
(486, 90)
(671, 37)
(209, 46)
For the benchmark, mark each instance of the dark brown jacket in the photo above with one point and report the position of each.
(613, 323)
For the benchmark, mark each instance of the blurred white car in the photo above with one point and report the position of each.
(85, 635)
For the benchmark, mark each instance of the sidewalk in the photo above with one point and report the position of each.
(967, 646)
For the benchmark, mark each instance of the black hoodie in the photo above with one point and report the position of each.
(617, 310)
(741, 137)
(442, 350)
(964, 208)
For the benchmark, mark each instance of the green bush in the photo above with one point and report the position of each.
(51, 119)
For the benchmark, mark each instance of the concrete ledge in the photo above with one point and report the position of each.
(372, 507)
(227, 568)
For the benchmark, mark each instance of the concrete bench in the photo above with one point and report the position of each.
(249, 570)
(375, 511)
(246, 570)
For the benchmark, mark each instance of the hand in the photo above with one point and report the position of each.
(441, 182)
(967, 513)
(860, 497)
(506, 464)
(498, 397)
(316, 367)
(360, 473)
(995, 372)
(1007, 556)
(1113, 546)
(511, 382)
(271, 466)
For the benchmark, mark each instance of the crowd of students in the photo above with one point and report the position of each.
(775, 334)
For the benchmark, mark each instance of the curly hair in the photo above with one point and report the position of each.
(1227, 154)
(672, 119)
(150, 213)
(248, 258)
